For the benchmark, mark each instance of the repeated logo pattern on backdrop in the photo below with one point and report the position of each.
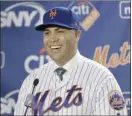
(105, 39)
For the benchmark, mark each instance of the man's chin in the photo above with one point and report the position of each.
(58, 59)
(55, 57)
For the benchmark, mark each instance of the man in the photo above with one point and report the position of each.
(69, 84)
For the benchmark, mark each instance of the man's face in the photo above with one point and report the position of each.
(61, 43)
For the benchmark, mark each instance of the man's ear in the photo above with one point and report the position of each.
(78, 34)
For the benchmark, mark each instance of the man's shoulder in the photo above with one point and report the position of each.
(96, 66)
(42, 67)
(36, 73)
(98, 73)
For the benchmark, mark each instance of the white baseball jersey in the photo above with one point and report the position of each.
(88, 88)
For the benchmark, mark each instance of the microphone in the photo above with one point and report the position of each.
(29, 99)
(35, 83)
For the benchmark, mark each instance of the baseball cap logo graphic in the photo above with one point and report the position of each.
(53, 13)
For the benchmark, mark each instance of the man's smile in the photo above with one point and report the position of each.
(55, 47)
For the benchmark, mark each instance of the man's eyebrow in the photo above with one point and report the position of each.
(46, 29)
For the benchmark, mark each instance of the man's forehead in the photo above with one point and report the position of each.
(55, 28)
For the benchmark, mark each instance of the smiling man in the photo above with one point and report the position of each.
(70, 84)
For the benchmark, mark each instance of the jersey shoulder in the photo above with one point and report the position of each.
(99, 74)
(97, 66)
(35, 73)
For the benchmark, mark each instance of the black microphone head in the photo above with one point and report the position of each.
(36, 81)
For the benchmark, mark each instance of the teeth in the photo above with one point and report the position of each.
(55, 47)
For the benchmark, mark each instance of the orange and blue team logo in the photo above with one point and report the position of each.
(52, 13)
(116, 100)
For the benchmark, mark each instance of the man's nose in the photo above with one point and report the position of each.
(54, 38)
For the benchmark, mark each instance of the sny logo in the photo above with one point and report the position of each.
(52, 14)
(17, 15)
(124, 9)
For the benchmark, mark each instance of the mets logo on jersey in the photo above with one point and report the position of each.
(52, 13)
(39, 106)
(116, 100)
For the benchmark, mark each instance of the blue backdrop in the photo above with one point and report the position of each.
(105, 39)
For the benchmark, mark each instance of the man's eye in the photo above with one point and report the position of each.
(46, 33)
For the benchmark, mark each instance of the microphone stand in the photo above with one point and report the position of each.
(35, 83)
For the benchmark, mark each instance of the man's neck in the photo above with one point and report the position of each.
(63, 62)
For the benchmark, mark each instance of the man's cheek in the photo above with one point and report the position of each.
(46, 46)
